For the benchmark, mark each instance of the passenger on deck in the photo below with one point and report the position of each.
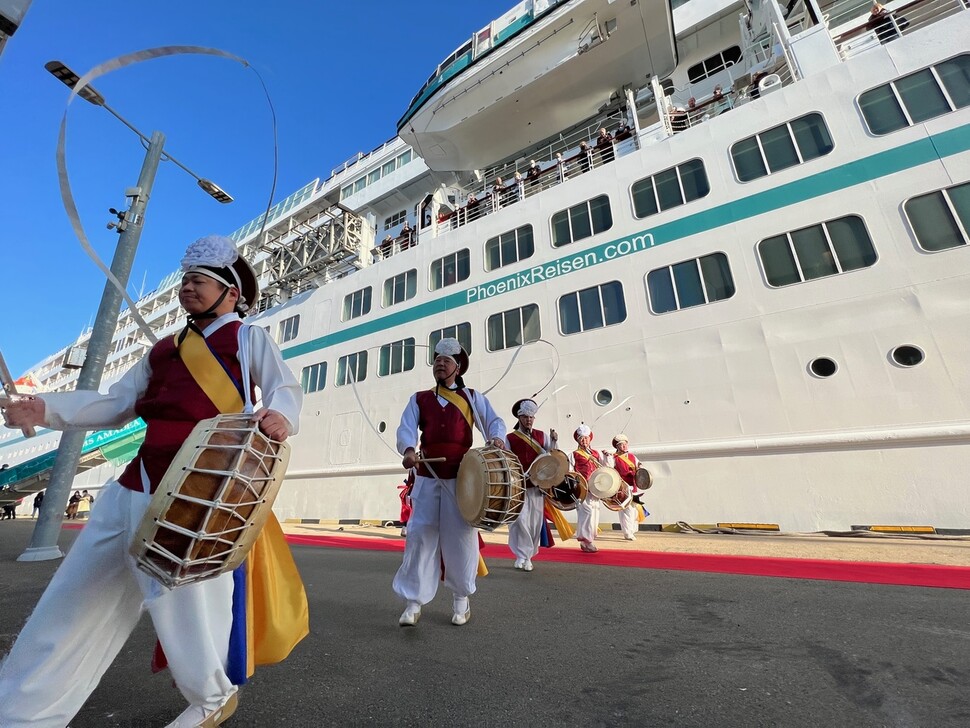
(755, 91)
(678, 119)
(623, 132)
(498, 188)
(604, 145)
(532, 174)
(387, 246)
(881, 22)
(471, 208)
(583, 157)
(560, 167)
(406, 235)
(519, 187)
(718, 94)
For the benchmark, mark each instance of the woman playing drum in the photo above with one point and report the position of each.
(528, 444)
(626, 465)
(584, 460)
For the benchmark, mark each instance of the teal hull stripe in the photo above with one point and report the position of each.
(876, 166)
(881, 164)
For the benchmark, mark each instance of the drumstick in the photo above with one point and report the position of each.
(6, 381)
(430, 460)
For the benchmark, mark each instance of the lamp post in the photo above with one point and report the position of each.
(43, 542)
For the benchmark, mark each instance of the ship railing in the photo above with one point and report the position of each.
(392, 246)
(563, 167)
(856, 35)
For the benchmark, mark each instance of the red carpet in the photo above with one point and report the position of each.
(946, 577)
(868, 572)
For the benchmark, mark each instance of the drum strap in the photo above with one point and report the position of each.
(460, 402)
(208, 372)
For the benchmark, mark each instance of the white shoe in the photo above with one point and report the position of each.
(519, 564)
(527, 566)
(463, 611)
(411, 615)
(404, 531)
(195, 716)
(628, 538)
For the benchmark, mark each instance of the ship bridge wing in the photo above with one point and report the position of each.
(560, 66)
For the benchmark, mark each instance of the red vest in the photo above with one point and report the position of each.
(626, 472)
(583, 466)
(173, 404)
(524, 451)
(444, 433)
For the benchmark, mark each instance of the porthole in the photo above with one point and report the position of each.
(603, 397)
(823, 367)
(381, 426)
(908, 355)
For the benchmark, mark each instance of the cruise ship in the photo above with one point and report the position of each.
(759, 271)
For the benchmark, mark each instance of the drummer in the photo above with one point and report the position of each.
(96, 597)
(584, 460)
(437, 534)
(527, 443)
(626, 464)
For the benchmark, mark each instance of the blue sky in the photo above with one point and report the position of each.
(339, 74)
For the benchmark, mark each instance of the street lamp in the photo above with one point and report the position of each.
(43, 542)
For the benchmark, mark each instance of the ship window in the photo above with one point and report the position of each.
(592, 308)
(403, 158)
(918, 96)
(388, 167)
(907, 355)
(781, 147)
(513, 328)
(396, 219)
(822, 250)
(396, 357)
(400, 288)
(941, 220)
(356, 304)
(690, 283)
(717, 62)
(373, 176)
(672, 187)
(360, 184)
(508, 248)
(289, 328)
(346, 192)
(351, 368)
(314, 377)
(462, 332)
(581, 221)
(450, 270)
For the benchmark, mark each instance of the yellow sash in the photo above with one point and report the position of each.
(628, 460)
(460, 402)
(528, 441)
(276, 604)
(208, 373)
(584, 456)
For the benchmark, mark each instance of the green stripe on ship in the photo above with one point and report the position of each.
(867, 169)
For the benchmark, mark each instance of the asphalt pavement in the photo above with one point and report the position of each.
(569, 644)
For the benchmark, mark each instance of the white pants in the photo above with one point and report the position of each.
(525, 531)
(436, 532)
(587, 518)
(89, 609)
(628, 520)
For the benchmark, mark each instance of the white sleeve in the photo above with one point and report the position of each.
(407, 431)
(278, 387)
(86, 410)
(493, 424)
